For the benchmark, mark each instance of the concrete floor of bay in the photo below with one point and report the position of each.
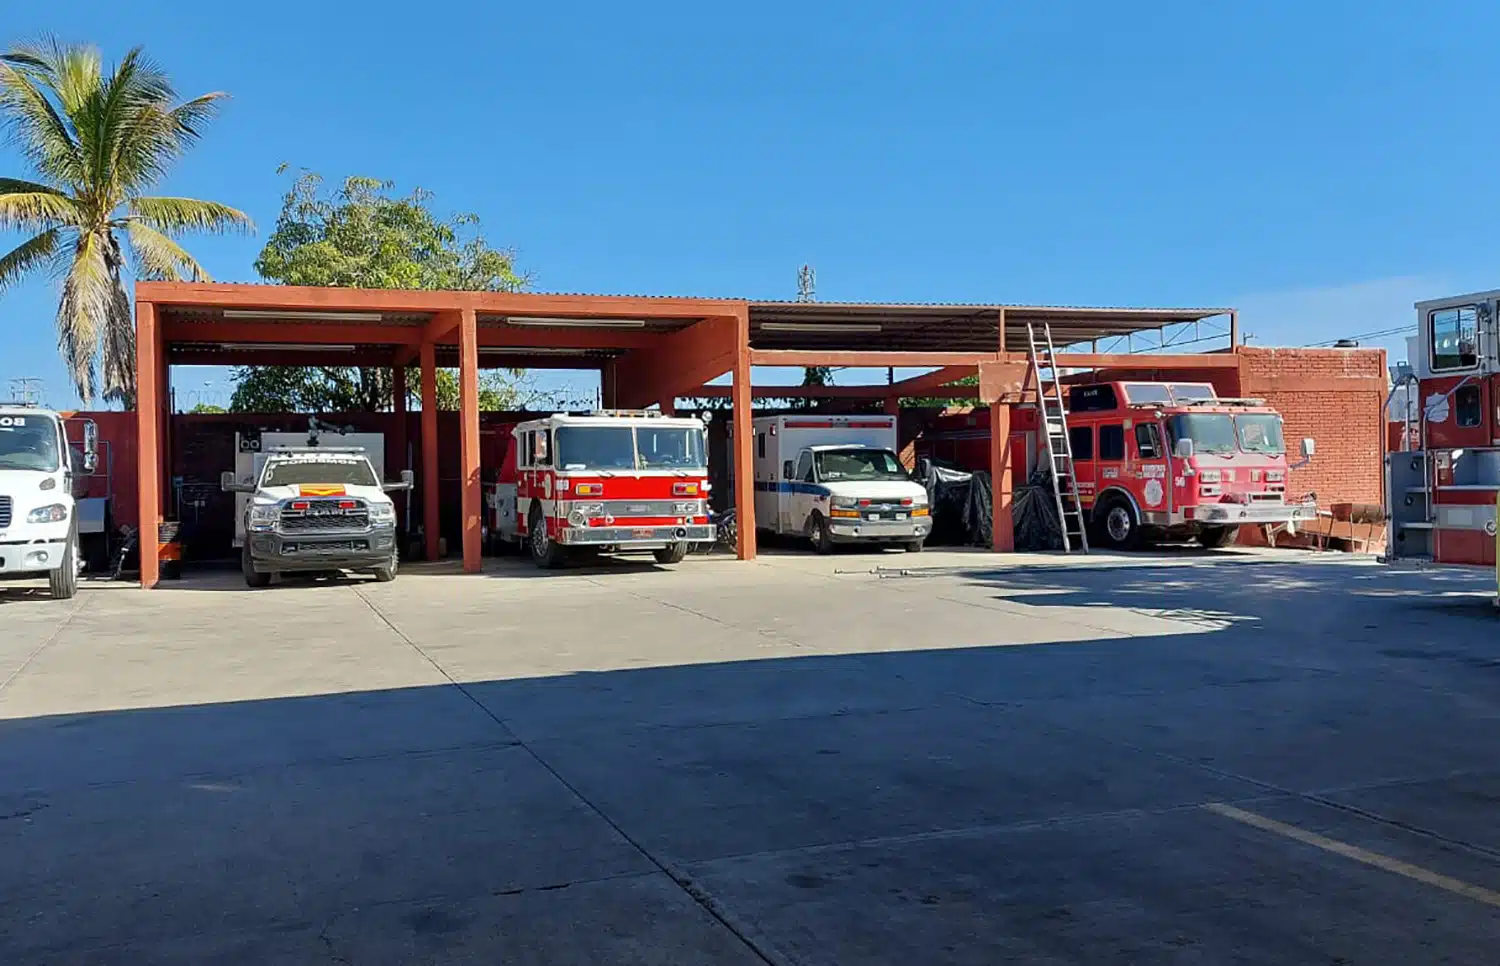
(1185, 757)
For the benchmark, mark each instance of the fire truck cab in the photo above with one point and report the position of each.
(1442, 489)
(604, 482)
(1173, 460)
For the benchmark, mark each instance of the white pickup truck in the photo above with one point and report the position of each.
(38, 513)
(317, 509)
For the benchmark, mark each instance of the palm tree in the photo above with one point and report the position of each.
(97, 142)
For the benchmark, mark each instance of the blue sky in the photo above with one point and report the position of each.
(1321, 166)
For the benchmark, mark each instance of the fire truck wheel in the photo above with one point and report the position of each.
(819, 533)
(1215, 537)
(671, 554)
(545, 552)
(1117, 524)
(253, 577)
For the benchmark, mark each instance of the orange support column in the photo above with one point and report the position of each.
(148, 405)
(1004, 538)
(472, 496)
(398, 435)
(430, 449)
(744, 452)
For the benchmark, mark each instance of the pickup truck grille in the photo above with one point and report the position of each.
(5, 511)
(324, 517)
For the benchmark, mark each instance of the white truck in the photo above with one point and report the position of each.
(38, 512)
(315, 509)
(836, 479)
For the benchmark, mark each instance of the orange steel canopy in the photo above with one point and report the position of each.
(650, 351)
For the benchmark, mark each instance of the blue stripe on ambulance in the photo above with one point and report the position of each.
(789, 487)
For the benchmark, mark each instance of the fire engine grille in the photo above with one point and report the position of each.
(5, 511)
(644, 508)
(323, 517)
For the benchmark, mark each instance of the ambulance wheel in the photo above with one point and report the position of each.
(914, 546)
(63, 581)
(253, 577)
(1213, 538)
(671, 554)
(545, 552)
(820, 533)
(1117, 526)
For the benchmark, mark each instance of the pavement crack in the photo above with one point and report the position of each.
(47, 642)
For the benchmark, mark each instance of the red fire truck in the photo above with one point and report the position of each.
(603, 482)
(1441, 493)
(1157, 460)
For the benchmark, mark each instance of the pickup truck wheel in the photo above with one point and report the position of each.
(672, 554)
(63, 581)
(253, 577)
(386, 574)
(820, 533)
(545, 552)
(1212, 538)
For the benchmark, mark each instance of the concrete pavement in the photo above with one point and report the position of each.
(857, 759)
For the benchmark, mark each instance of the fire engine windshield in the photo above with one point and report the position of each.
(596, 448)
(312, 472)
(28, 443)
(1260, 433)
(665, 448)
(839, 465)
(1210, 432)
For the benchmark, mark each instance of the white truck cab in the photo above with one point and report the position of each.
(314, 509)
(38, 519)
(836, 479)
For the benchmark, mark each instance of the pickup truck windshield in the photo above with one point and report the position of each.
(29, 443)
(840, 465)
(312, 472)
(629, 448)
(1260, 433)
(1210, 432)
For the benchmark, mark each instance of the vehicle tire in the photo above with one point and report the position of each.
(1117, 525)
(253, 577)
(545, 552)
(1212, 538)
(386, 574)
(820, 533)
(63, 581)
(914, 546)
(671, 554)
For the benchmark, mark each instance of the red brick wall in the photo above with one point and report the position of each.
(1335, 396)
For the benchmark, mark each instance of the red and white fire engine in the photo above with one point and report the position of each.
(1441, 493)
(1155, 460)
(604, 482)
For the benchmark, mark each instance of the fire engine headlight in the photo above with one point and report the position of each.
(382, 513)
(578, 518)
(1208, 476)
(51, 513)
(692, 508)
(1275, 476)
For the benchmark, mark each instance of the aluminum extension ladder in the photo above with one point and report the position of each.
(1059, 445)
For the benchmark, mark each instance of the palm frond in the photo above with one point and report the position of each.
(173, 215)
(159, 258)
(190, 116)
(42, 134)
(28, 255)
(119, 336)
(15, 186)
(84, 310)
(37, 210)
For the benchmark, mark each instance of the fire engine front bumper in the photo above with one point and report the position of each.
(1234, 514)
(641, 537)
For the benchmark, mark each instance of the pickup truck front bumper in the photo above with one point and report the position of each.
(291, 552)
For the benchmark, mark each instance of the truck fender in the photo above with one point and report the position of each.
(1104, 494)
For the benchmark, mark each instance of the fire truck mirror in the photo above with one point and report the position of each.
(1309, 447)
(707, 416)
(1183, 449)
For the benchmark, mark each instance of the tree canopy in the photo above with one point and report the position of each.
(97, 141)
(361, 235)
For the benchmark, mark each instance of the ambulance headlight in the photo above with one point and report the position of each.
(845, 501)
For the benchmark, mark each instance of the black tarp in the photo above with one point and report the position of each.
(962, 510)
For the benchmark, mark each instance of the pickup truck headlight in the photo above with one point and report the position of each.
(382, 513)
(263, 517)
(51, 513)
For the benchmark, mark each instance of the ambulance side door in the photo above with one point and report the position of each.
(767, 475)
(800, 497)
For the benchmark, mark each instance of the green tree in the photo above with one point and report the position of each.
(362, 236)
(207, 408)
(97, 141)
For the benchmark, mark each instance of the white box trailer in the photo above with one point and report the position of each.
(836, 479)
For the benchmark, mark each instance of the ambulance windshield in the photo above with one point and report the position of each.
(841, 465)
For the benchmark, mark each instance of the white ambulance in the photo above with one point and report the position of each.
(836, 479)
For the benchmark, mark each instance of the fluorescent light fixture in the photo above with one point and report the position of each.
(831, 328)
(542, 322)
(303, 316)
(526, 350)
(283, 347)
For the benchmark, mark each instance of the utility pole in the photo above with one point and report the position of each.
(807, 283)
(27, 390)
